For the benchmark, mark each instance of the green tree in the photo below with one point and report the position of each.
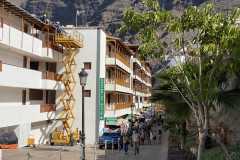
(204, 46)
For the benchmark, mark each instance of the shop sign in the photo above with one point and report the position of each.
(101, 107)
(111, 121)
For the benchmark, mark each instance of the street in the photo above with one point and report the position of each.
(147, 152)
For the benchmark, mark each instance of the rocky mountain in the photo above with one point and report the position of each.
(106, 13)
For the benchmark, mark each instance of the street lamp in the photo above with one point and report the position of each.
(132, 106)
(83, 80)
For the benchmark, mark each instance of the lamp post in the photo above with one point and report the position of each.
(83, 79)
(78, 14)
(132, 106)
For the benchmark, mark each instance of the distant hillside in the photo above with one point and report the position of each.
(106, 13)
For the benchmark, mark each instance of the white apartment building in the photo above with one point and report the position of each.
(31, 69)
(30, 85)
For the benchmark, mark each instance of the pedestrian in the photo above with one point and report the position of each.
(135, 139)
(162, 121)
(151, 137)
(142, 137)
(125, 143)
(154, 137)
(160, 136)
(148, 133)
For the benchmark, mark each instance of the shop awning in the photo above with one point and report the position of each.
(129, 116)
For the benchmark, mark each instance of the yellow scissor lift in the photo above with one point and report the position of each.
(71, 42)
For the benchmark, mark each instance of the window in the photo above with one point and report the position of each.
(24, 62)
(35, 94)
(24, 97)
(87, 93)
(87, 65)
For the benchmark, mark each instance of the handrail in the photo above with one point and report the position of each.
(70, 36)
(52, 45)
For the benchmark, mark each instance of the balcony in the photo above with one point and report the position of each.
(22, 114)
(14, 76)
(47, 108)
(51, 76)
(52, 50)
(117, 85)
(119, 62)
(20, 40)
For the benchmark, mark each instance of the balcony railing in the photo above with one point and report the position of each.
(117, 81)
(137, 55)
(124, 84)
(137, 73)
(54, 46)
(76, 36)
(110, 106)
(122, 106)
(51, 76)
(47, 107)
(122, 60)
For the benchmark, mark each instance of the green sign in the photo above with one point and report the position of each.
(101, 107)
(111, 121)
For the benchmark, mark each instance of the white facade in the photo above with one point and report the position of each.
(25, 90)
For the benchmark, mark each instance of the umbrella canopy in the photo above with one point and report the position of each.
(129, 116)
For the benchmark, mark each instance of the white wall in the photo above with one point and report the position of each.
(94, 52)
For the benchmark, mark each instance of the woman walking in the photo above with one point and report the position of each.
(160, 136)
(151, 137)
(125, 143)
(154, 137)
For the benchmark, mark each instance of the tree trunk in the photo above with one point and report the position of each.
(201, 146)
(183, 134)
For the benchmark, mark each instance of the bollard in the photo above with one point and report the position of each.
(29, 156)
(118, 144)
(112, 146)
(0, 154)
(95, 151)
(81, 157)
(60, 150)
(105, 149)
(123, 148)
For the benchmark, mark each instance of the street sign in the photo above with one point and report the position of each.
(111, 121)
(101, 101)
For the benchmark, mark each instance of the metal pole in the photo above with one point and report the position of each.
(83, 130)
(105, 149)
(76, 19)
(112, 146)
(61, 149)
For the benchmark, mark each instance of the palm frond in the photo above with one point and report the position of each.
(180, 110)
(228, 98)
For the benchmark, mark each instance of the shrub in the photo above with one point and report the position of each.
(218, 153)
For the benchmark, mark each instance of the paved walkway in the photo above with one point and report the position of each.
(147, 152)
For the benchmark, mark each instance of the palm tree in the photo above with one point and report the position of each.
(179, 110)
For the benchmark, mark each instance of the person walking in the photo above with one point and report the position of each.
(154, 137)
(135, 139)
(160, 136)
(125, 143)
(151, 137)
(142, 137)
